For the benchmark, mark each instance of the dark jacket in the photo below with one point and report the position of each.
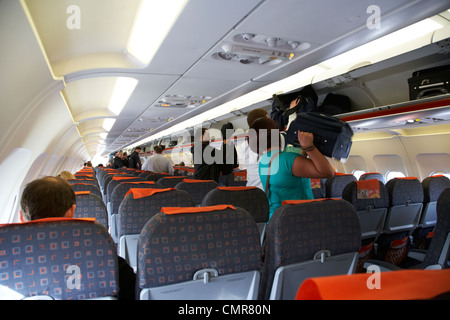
(117, 163)
(203, 169)
(135, 160)
(229, 157)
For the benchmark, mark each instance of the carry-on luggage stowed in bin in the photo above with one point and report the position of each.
(429, 82)
(332, 136)
(306, 99)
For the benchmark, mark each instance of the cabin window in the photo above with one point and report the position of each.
(358, 173)
(394, 174)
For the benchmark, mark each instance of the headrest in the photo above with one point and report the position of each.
(342, 174)
(77, 193)
(145, 192)
(123, 178)
(56, 219)
(285, 202)
(236, 188)
(196, 181)
(178, 210)
(368, 189)
(138, 182)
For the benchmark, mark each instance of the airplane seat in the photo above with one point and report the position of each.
(90, 205)
(105, 174)
(196, 188)
(83, 175)
(115, 181)
(88, 181)
(121, 190)
(131, 171)
(371, 201)
(318, 188)
(250, 198)
(372, 175)
(405, 208)
(139, 206)
(336, 184)
(77, 187)
(199, 253)
(438, 253)
(108, 180)
(156, 176)
(144, 174)
(308, 238)
(57, 258)
(238, 178)
(432, 188)
(170, 181)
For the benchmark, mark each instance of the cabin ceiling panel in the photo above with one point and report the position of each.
(85, 34)
(198, 29)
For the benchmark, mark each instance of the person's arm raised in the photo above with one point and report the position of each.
(317, 166)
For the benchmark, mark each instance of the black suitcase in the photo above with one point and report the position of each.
(332, 136)
(429, 82)
(281, 104)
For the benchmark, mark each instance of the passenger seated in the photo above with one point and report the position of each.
(51, 197)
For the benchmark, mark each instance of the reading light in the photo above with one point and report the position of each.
(154, 20)
(122, 91)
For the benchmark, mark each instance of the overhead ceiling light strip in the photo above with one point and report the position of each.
(122, 91)
(153, 23)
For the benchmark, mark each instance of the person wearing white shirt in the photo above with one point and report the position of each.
(157, 162)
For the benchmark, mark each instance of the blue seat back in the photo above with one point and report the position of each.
(439, 250)
(405, 204)
(371, 205)
(296, 233)
(89, 205)
(134, 213)
(42, 258)
(174, 248)
(170, 181)
(87, 187)
(197, 188)
(252, 199)
(336, 184)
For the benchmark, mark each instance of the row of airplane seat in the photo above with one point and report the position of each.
(372, 206)
(376, 219)
(193, 250)
(380, 235)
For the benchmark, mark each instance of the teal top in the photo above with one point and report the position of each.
(283, 185)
